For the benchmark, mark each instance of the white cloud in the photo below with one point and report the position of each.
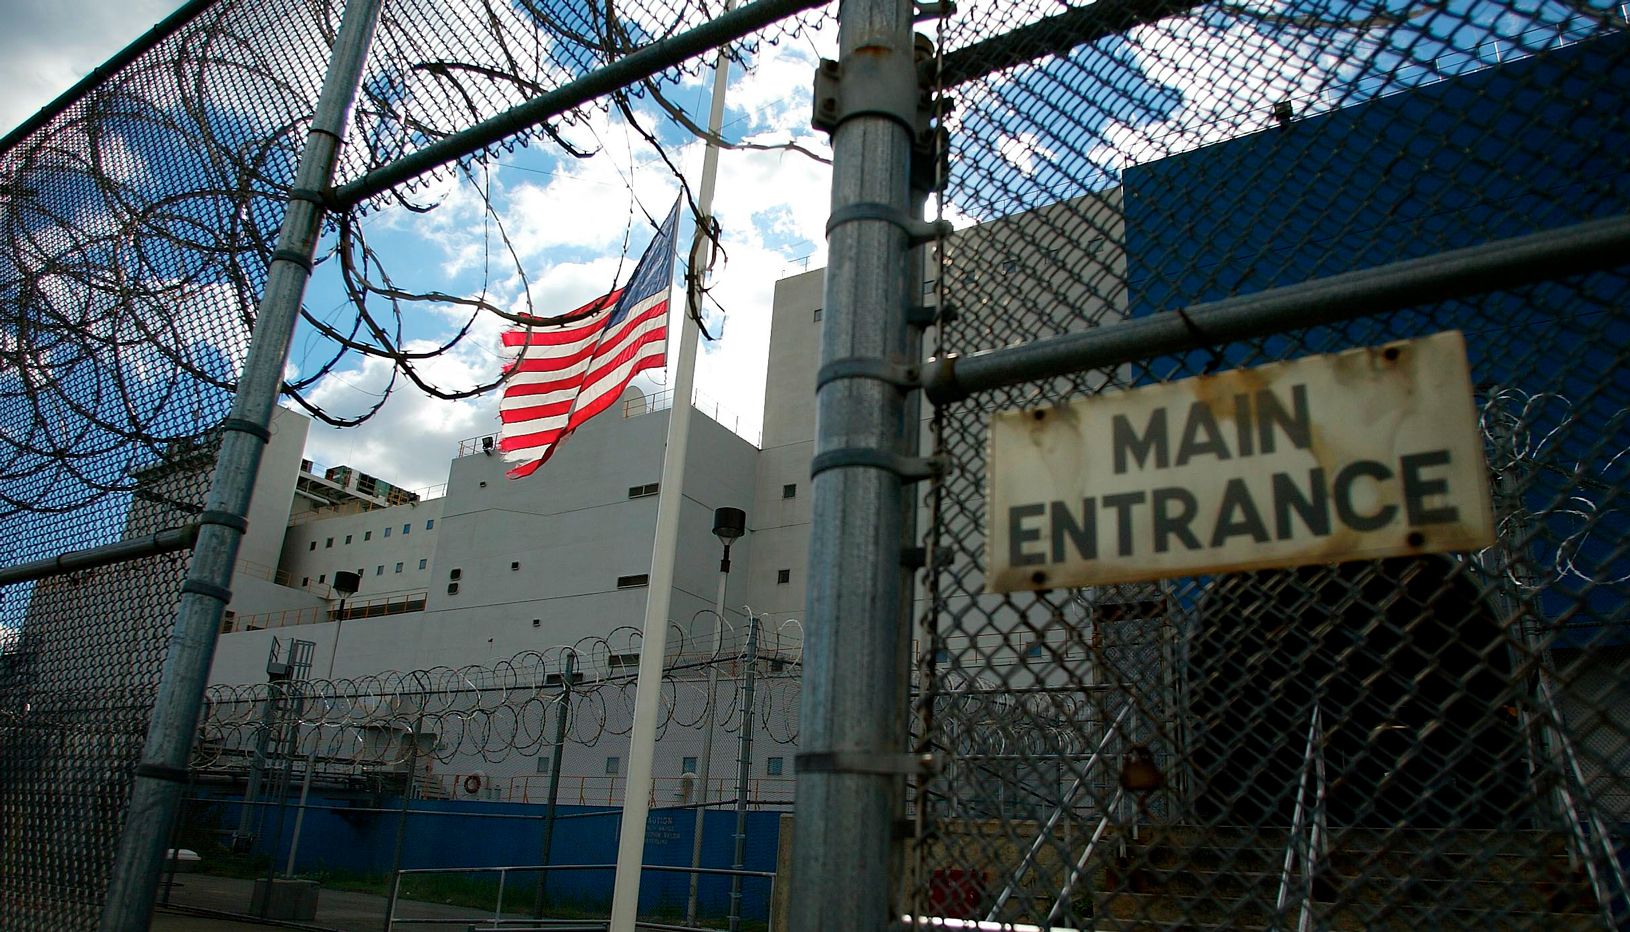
(48, 46)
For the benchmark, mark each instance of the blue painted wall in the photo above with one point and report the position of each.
(467, 833)
(1534, 144)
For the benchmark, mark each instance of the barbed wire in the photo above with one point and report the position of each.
(507, 708)
(139, 218)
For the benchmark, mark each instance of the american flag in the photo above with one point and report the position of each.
(568, 373)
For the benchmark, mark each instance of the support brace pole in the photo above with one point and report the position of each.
(160, 778)
(853, 702)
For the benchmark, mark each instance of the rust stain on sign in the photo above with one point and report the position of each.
(1368, 453)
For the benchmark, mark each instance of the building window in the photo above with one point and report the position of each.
(313, 545)
(322, 577)
(367, 535)
(790, 490)
(772, 767)
(329, 545)
(783, 576)
(452, 588)
(398, 567)
(387, 532)
(361, 573)
(422, 563)
(379, 570)
(407, 529)
(430, 524)
(305, 580)
(641, 491)
(817, 314)
(514, 564)
(455, 573)
(543, 763)
(613, 765)
(633, 582)
(348, 539)
(687, 765)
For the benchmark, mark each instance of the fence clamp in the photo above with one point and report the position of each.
(907, 468)
(875, 80)
(879, 370)
(918, 232)
(910, 765)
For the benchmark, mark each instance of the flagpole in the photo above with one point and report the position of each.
(625, 895)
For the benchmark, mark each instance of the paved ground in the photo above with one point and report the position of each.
(336, 909)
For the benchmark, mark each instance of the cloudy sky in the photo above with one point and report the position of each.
(568, 222)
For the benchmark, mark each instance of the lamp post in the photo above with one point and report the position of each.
(729, 524)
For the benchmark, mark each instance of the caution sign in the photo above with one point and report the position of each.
(1369, 453)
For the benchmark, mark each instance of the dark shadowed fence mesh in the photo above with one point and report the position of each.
(1415, 742)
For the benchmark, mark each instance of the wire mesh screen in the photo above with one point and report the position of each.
(1414, 742)
(138, 221)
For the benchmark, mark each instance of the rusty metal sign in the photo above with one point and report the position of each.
(1369, 453)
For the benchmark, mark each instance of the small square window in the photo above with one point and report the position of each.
(322, 578)
(543, 763)
(514, 564)
(422, 563)
(348, 538)
(430, 524)
(398, 567)
(329, 544)
(452, 588)
(387, 532)
(783, 576)
(367, 535)
(379, 570)
(536, 622)
(407, 529)
(455, 573)
(613, 765)
(817, 313)
(772, 767)
(687, 765)
(313, 545)
(361, 572)
(790, 490)
(305, 580)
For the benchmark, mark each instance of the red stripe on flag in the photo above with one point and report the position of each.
(535, 412)
(520, 335)
(556, 363)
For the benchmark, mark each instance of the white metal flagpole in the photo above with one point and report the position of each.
(625, 895)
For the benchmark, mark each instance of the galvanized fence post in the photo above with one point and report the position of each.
(850, 774)
(744, 773)
(162, 774)
(562, 720)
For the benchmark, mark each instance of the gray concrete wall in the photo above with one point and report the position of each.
(375, 542)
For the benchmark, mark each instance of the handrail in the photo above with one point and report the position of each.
(1313, 815)
(1028, 861)
(1575, 774)
(1080, 867)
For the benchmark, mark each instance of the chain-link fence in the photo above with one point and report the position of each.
(453, 774)
(1144, 192)
(1413, 742)
(141, 220)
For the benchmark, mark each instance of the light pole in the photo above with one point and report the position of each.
(729, 524)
